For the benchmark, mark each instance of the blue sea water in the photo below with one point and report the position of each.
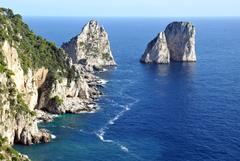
(175, 112)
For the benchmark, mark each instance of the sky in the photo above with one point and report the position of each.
(125, 8)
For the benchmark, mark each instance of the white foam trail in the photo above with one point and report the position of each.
(67, 127)
(125, 149)
(100, 133)
(39, 121)
(53, 136)
(103, 70)
(103, 81)
(55, 115)
(112, 121)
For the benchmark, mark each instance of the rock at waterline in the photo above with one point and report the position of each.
(176, 43)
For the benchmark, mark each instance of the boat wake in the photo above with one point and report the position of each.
(125, 149)
(101, 132)
(111, 121)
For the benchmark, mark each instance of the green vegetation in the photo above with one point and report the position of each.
(8, 153)
(34, 51)
(17, 103)
(21, 106)
(2, 63)
(3, 141)
(107, 56)
(57, 100)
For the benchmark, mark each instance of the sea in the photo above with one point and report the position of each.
(176, 112)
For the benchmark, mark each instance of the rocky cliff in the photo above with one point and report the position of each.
(176, 43)
(91, 47)
(7, 153)
(157, 51)
(19, 88)
(37, 77)
(181, 41)
(70, 96)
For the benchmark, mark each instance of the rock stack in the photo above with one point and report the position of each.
(91, 47)
(176, 43)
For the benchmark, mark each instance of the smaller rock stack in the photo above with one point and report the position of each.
(157, 51)
(176, 43)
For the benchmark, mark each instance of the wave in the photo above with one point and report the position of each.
(53, 136)
(55, 115)
(39, 121)
(103, 81)
(125, 149)
(68, 127)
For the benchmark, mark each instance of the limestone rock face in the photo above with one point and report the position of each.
(157, 51)
(76, 95)
(29, 89)
(17, 125)
(25, 83)
(91, 47)
(13, 64)
(176, 43)
(181, 41)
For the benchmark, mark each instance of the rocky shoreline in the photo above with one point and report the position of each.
(75, 105)
(38, 79)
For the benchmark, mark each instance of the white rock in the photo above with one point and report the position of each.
(157, 51)
(91, 47)
(28, 83)
(181, 41)
(19, 126)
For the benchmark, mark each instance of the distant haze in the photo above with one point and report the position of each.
(125, 8)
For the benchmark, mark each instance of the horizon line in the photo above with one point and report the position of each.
(131, 16)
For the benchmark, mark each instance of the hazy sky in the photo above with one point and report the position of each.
(125, 8)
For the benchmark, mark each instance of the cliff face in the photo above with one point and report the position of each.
(25, 83)
(36, 76)
(91, 47)
(66, 96)
(18, 98)
(176, 43)
(18, 122)
(181, 41)
(7, 153)
(157, 51)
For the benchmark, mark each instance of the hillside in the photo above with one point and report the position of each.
(36, 77)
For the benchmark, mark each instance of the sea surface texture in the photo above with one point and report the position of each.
(175, 112)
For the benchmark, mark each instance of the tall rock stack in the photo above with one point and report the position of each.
(176, 43)
(91, 47)
(181, 41)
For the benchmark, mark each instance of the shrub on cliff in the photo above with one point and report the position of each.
(8, 153)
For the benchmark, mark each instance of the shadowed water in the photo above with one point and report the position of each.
(180, 111)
